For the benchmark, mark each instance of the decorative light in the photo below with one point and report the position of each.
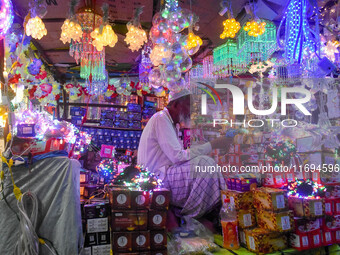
(3, 116)
(255, 28)
(107, 168)
(70, 30)
(35, 27)
(6, 16)
(298, 35)
(135, 36)
(193, 41)
(331, 49)
(106, 38)
(306, 189)
(160, 54)
(231, 28)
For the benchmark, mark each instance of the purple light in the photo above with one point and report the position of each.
(6, 17)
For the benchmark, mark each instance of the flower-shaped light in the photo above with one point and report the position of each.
(136, 37)
(70, 30)
(35, 27)
(255, 28)
(192, 41)
(231, 27)
(107, 38)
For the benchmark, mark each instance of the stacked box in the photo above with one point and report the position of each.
(138, 220)
(270, 199)
(304, 207)
(97, 234)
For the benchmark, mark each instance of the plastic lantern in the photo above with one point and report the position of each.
(6, 16)
(231, 27)
(35, 27)
(135, 37)
(70, 30)
(107, 38)
(255, 28)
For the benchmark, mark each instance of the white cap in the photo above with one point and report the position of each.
(176, 95)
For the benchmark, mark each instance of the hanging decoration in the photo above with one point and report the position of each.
(298, 34)
(71, 29)
(144, 68)
(330, 49)
(255, 28)
(136, 36)
(6, 17)
(230, 25)
(35, 27)
(306, 189)
(171, 50)
(104, 35)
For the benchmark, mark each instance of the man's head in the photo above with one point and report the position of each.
(179, 106)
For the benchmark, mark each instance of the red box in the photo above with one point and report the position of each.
(300, 241)
(337, 206)
(160, 199)
(303, 225)
(120, 198)
(107, 151)
(331, 223)
(139, 199)
(315, 238)
(158, 239)
(235, 160)
(129, 220)
(329, 206)
(336, 235)
(121, 241)
(327, 237)
(157, 219)
(140, 240)
(37, 147)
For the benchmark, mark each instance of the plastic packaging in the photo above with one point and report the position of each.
(229, 226)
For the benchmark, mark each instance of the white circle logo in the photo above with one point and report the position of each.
(160, 199)
(157, 219)
(158, 238)
(122, 241)
(121, 199)
(140, 200)
(140, 240)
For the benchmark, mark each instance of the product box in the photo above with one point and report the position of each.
(242, 200)
(121, 241)
(134, 124)
(242, 184)
(329, 206)
(275, 221)
(331, 223)
(134, 108)
(162, 252)
(139, 199)
(140, 240)
(121, 124)
(264, 241)
(300, 241)
(20, 146)
(315, 238)
(120, 115)
(303, 225)
(107, 151)
(77, 111)
(336, 235)
(26, 130)
(158, 239)
(97, 225)
(129, 220)
(242, 237)
(76, 120)
(101, 249)
(306, 207)
(90, 189)
(157, 219)
(160, 199)
(90, 239)
(270, 199)
(327, 237)
(246, 218)
(120, 198)
(96, 210)
(103, 238)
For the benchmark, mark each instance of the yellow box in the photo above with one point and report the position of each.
(263, 241)
(303, 207)
(242, 200)
(270, 199)
(276, 221)
(246, 218)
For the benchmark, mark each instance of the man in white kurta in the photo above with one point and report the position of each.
(195, 193)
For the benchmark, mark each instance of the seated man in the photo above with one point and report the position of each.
(195, 193)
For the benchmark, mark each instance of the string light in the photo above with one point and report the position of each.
(231, 27)
(107, 38)
(330, 49)
(107, 168)
(135, 37)
(193, 41)
(255, 28)
(6, 17)
(70, 30)
(306, 189)
(35, 27)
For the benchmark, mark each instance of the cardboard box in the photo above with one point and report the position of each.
(97, 225)
(336, 235)
(163, 252)
(242, 237)
(246, 218)
(300, 241)
(275, 221)
(242, 200)
(315, 238)
(306, 207)
(157, 219)
(270, 199)
(140, 241)
(120, 198)
(158, 239)
(160, 199)
(96, 210)
(327, 237)
(121, 241)
(129, 220)
(139, 199)
(264, 241)
(303, 225)
(103, 238)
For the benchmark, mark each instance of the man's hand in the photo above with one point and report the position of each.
(221, 143)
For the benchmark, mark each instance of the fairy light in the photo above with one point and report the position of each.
(306, 189)
(6, 16)
(231, 28)
(70, 30)
(35, 27)
(330, 49)
(107, 168)
(255, 28)
(193, 41)
(135, 37)
(159, 54)
(107, 38)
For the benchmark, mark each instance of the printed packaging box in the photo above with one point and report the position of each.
(246, 218)
(306, 207)
(129, 220)
(270, 199)
(276, 221)
(242, 200)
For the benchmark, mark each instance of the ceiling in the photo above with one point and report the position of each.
(120, 59)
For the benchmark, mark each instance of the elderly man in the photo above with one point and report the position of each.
(192, 193)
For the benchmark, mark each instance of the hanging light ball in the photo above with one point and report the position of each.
(231, 28)
(70, 30)
(35, 27)
(106, 38)
(193, 43)
(255, 28)
(6, 17)
(135, 37)
(160, 54)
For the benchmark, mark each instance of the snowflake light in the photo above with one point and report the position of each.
(255, 28)
(70, 30)
(106, 38)
(35, 27)
(192, 41)
(231, 27)
(136, 37)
